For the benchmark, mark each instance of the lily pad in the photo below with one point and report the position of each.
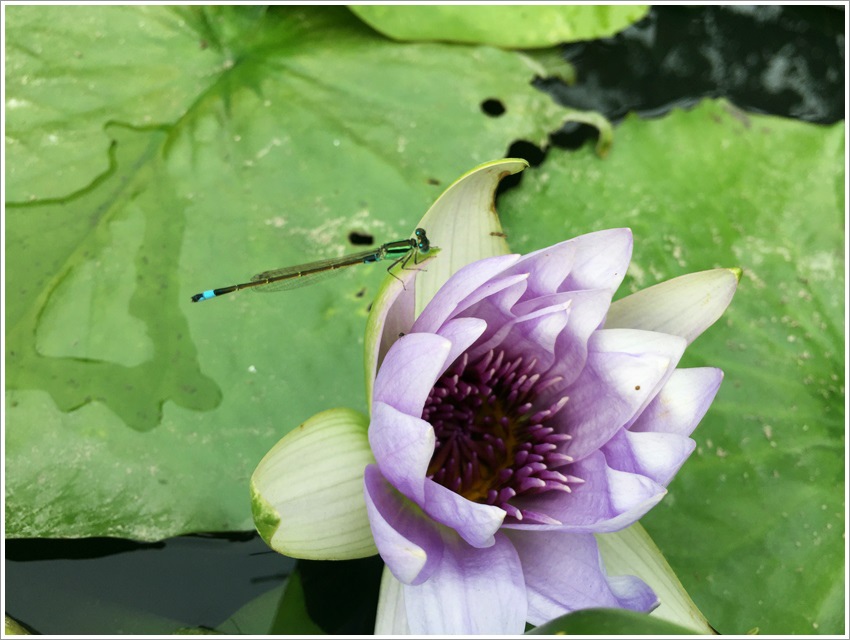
(526, 26)
(241, 139)
(610, 622)
(754, 522)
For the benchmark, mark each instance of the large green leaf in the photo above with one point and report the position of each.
(239, 139)
(70, 70)
(610, 622)
(517, 26)
(754, 522)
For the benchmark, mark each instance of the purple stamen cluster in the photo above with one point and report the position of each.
(492, 445)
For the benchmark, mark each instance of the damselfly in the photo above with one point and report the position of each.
(303, 274)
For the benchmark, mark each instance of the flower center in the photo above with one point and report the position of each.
(492, 444)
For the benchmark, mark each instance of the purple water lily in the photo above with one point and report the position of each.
(520, 423)
(519, 415)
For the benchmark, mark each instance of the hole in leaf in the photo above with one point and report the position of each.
(493, 107)
(357, 238)
(526, 150)
(574, 135)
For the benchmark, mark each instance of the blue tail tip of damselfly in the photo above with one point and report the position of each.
(205, 295)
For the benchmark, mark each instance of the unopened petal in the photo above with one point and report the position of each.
(684, 306)
(307, 492)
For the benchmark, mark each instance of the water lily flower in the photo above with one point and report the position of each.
(517, 416)
(511, 423)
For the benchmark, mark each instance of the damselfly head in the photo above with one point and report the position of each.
(423, 245)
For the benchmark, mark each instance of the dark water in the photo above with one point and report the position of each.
(84, 586)
(787, 61)
(777, 60)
